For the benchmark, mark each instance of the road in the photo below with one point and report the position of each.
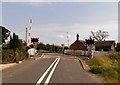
(48, 69)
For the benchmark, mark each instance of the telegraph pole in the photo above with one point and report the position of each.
(26, 36)
(67, 40)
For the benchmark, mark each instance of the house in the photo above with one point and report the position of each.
(105, 45)
(77, 45)
(99, 45)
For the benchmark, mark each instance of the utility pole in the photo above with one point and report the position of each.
(26, 36)
(29, 32)
(67, 40)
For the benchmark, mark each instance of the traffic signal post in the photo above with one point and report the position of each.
(90, 46)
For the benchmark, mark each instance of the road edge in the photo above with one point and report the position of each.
(83, 64)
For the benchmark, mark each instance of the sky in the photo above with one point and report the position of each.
(52, 20)
(119, 22)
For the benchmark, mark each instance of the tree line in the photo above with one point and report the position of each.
(51, 48)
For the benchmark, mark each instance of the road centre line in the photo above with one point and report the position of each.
(42, 77)
(52, 71)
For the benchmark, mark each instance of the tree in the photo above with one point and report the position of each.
(48, 47)
(99, 35)
(15, 43)
(5, 33)
(65, 48)
(41, 46)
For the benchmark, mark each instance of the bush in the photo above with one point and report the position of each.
(12, 56)
(114, 56)
(111, 73)
(93, 61)
(96, 69)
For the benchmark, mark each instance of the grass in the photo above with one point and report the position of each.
(106, 66)
(46, 51)
(43, 51)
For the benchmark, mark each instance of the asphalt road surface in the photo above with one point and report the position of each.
(48, 69)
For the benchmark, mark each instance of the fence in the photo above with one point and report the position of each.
(84, 53)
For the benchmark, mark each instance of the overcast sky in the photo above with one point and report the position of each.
(52, 21)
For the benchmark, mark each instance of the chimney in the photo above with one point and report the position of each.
(77, 36)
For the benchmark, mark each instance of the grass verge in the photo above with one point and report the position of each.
(106, 66)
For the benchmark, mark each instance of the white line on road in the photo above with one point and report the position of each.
(42, 77)
(40, 57)
(52, 71)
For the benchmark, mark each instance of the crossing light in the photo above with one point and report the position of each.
(89, 41)
(34, 40)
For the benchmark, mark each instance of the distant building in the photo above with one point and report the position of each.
(77, 45)
(105, 45)
(99, 45)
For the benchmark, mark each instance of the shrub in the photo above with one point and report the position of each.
(111, 73)
(92, 62)
(7, 56)
(12, 56)
(114, 56)
(96, 69)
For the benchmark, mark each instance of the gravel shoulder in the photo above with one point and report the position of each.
(4, 66)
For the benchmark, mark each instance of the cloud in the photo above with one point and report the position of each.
(61, 36)
(57, 33)
(40, 3)
(34, 3)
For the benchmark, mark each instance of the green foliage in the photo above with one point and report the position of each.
(8, 56)
(5, 33)
(5, 46)
(41, 46)
(114, 56)
(14, 51)
(12, 56)
(65, 48)
(93, 62)
(111, 73)
(15, 43)
(31, 46)
(42, 51)
(106, 66)
(96, 69)
(48, 47)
